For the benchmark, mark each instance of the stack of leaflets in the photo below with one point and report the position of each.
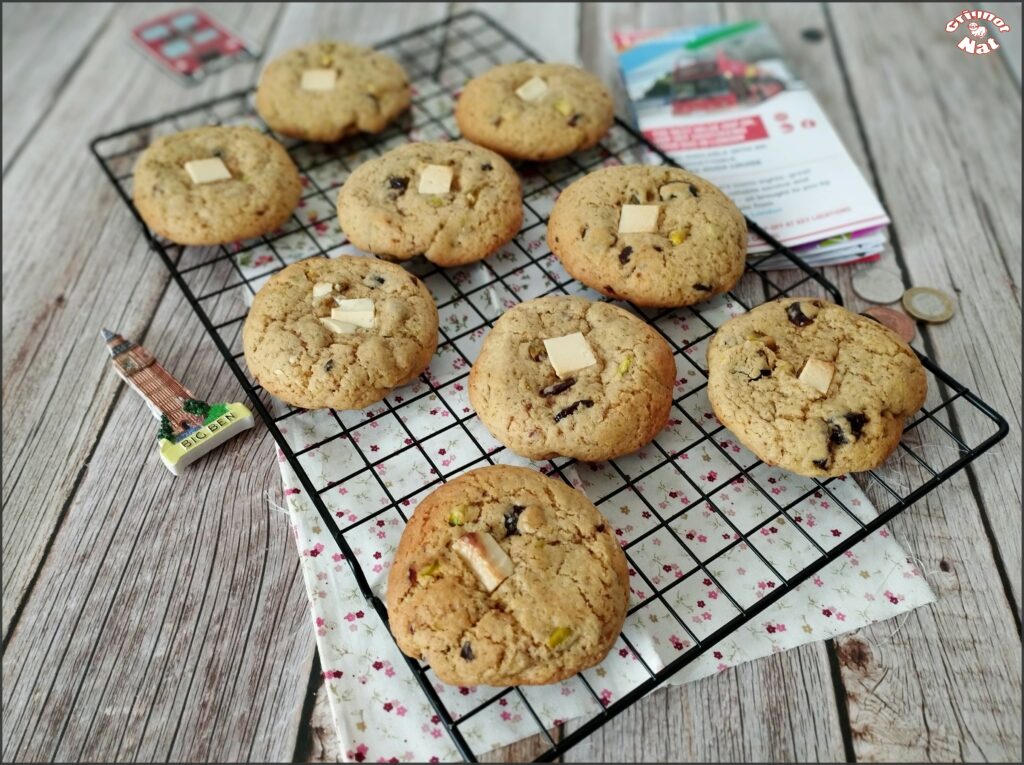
(721, 102)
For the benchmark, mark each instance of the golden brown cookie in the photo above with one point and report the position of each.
(340, 332)
(504, 577)
(655, 236)
(453, 203)
(328, 90)
(261, 189)
(813, 388)
(533, 399)
(535, 111)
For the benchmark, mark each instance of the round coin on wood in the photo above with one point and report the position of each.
(895, 320)
(928, 304)
(878, 285)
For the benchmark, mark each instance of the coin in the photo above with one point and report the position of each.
(878, 285)
(895, 320)
(928, 304)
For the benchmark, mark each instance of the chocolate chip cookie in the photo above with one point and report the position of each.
(534, 111)
(454, 203)
(213, 185)
(328, 90)
(566, 376)
(340, 332)
(505, 577)
(813, 388)
(655, 236)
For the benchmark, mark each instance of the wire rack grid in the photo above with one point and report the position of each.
(219, 282)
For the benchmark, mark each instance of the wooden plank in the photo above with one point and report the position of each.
(169, 620)
(81, 264)
(958, 220)
(781, 708)
(917, 694)
(42, 46)
(918, 690)
(551, 29)
(1010, 42)
(359, 23)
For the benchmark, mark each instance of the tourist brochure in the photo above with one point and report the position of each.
(720, 100)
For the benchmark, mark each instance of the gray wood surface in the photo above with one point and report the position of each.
(151, 618)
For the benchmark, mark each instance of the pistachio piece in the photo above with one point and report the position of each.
(457, 516)
(558, 636)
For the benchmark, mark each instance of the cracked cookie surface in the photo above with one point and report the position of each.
(261, 194)
(572, 115)
(697, 250)
(381, 209)
(608, 409)
(846, 419)
(301, 361)
(371, 89)
(559, 610)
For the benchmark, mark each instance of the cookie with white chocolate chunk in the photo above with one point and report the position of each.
(340, 332)
(535, 111)
(325, 91)
(565, 376)
(454, 203)
(813, 388)
(655, 236)
(504, 576)
(212, 185)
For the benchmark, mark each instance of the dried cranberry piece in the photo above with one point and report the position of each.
(400, 184)
(823, 464)
(558, 387)
(412, 575)
(857, 422)
(693, 190)
(466, 652)
(586, 403)
(836, 437)
(797, 316)
(329, 365)
(625, 254)
(574, 120)
(702, 287)
(486, 167)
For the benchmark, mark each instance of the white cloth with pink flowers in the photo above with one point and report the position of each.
(379, 712)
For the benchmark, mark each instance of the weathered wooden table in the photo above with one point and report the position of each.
(148, 617)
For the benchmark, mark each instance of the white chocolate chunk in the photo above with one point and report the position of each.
(338, 327)
(435, 179)
(639, 219)
(322, 290)
(530, 520)
(485, 557)
(357, 311)
(818, 374)
(532, 89)
(319, 79)
(569, 353)
(207, 170)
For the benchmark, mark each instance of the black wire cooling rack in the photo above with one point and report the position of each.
(219, 281)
